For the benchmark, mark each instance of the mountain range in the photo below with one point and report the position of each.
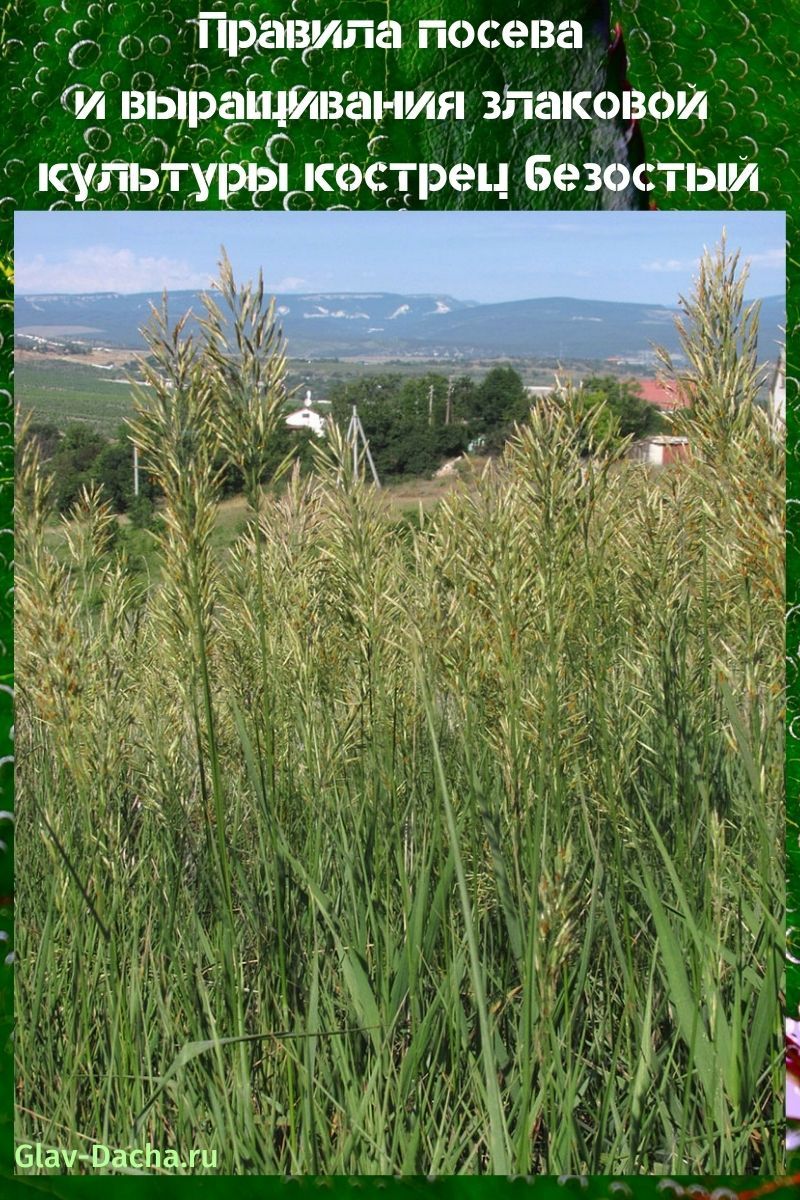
(367, 324)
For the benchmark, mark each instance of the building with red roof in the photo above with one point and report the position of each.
(665, 395)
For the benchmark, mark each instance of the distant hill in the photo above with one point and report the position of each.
(341, 324)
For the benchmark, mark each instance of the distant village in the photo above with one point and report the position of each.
(657, 450)
(410, 421)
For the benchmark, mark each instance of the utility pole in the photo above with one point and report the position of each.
(355, 434)
(430, 405)
(135, 469)
(448, 412)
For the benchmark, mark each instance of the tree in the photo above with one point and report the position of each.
(634, 416)
(402, 419)
(462, 399)
(501, 399)
(286, 441)
(375, 396)
(73, 462)
(413, 424)
(47, 435)
(113, 468)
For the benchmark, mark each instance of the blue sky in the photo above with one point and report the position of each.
(646, 257)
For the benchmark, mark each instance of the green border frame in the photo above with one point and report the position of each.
(743, 51)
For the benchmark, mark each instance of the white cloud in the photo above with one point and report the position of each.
(776, 257)
(670, 264)
(102, 269)
(289, 283)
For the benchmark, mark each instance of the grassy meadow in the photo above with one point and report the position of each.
(62, 392)
(368, 848)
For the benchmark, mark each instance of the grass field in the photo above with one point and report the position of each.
(365, 848)
(60, 392)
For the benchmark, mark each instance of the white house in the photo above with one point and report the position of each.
(307, 417)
